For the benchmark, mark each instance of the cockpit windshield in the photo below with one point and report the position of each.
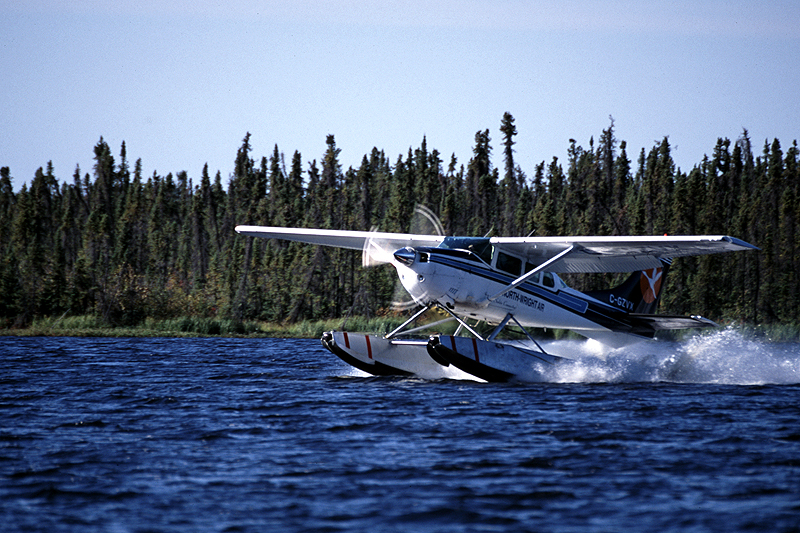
(477, 245)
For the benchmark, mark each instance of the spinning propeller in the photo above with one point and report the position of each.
(379, 252)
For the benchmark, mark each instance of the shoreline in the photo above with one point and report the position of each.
(92, 326)
(191, 327)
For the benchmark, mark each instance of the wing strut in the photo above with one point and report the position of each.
(522, 279)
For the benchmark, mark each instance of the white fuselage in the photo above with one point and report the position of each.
(465, 286)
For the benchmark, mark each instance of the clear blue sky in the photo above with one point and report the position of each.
(182, 82)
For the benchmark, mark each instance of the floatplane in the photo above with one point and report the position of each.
(506, 282)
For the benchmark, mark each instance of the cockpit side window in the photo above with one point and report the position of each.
(477, 245)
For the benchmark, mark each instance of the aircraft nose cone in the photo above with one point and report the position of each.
(405, 255)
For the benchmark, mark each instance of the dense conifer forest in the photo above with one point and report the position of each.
(124, 246)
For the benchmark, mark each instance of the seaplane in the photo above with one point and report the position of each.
(503, 283)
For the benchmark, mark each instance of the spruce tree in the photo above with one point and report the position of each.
(509, 186)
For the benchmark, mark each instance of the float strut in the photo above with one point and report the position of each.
(505, 322)
(409, 321)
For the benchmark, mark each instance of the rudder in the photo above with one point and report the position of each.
(640, 293)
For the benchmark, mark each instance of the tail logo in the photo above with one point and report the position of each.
(650, 284)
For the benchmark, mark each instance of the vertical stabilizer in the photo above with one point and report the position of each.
(640, 293)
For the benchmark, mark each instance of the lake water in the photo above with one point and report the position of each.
(228, 435)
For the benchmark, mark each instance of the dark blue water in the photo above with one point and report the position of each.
(248, 435)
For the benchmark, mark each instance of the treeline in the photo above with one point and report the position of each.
(125, 246)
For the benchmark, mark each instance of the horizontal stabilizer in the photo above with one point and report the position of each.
(662, 322)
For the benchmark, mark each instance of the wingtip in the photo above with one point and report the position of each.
(741, 243)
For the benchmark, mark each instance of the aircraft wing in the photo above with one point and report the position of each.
(616, 254)
(588, 254)
(354, 240)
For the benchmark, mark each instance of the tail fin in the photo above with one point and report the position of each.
(640, 293)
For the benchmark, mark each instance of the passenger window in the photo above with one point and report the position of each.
(508, 263)
(547, 280)
(528, 268)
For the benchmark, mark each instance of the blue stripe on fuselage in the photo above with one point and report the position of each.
(558, 298)
(601, 314)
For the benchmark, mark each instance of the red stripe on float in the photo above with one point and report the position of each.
(475, 348)
(346, 340)
(369, 347)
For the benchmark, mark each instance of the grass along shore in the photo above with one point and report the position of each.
(94, 326)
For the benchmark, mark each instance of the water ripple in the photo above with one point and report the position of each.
(278, 435)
